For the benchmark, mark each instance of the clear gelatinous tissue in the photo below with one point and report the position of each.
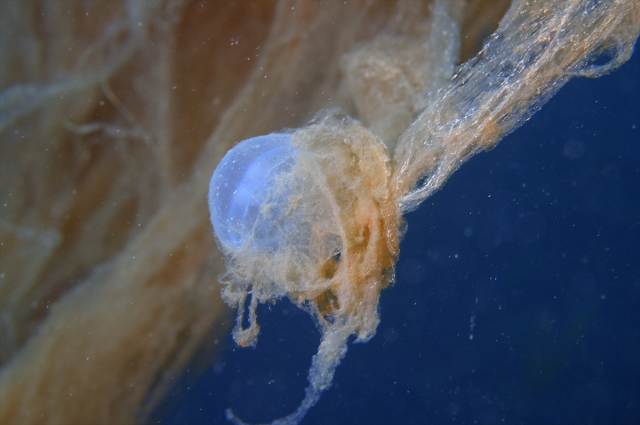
(243, 193)
(316, 215)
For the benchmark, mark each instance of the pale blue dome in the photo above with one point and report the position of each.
(242, 182)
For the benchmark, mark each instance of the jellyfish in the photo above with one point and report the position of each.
(315, 214)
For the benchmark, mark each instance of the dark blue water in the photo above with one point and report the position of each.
(532, 248)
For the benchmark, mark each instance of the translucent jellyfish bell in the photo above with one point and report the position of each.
(244, 202)
(308, 216)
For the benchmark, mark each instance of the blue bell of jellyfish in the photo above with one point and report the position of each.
(247, 194)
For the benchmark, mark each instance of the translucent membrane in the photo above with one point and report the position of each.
(242, 200)
(349, 185)
(325, 235)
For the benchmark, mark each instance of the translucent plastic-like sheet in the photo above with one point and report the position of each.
(333, 213)
(538, 47)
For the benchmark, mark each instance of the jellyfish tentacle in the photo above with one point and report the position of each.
(331, 351)
(322, 235)
(247, 337)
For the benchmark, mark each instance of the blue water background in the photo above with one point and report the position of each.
(533, 248)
